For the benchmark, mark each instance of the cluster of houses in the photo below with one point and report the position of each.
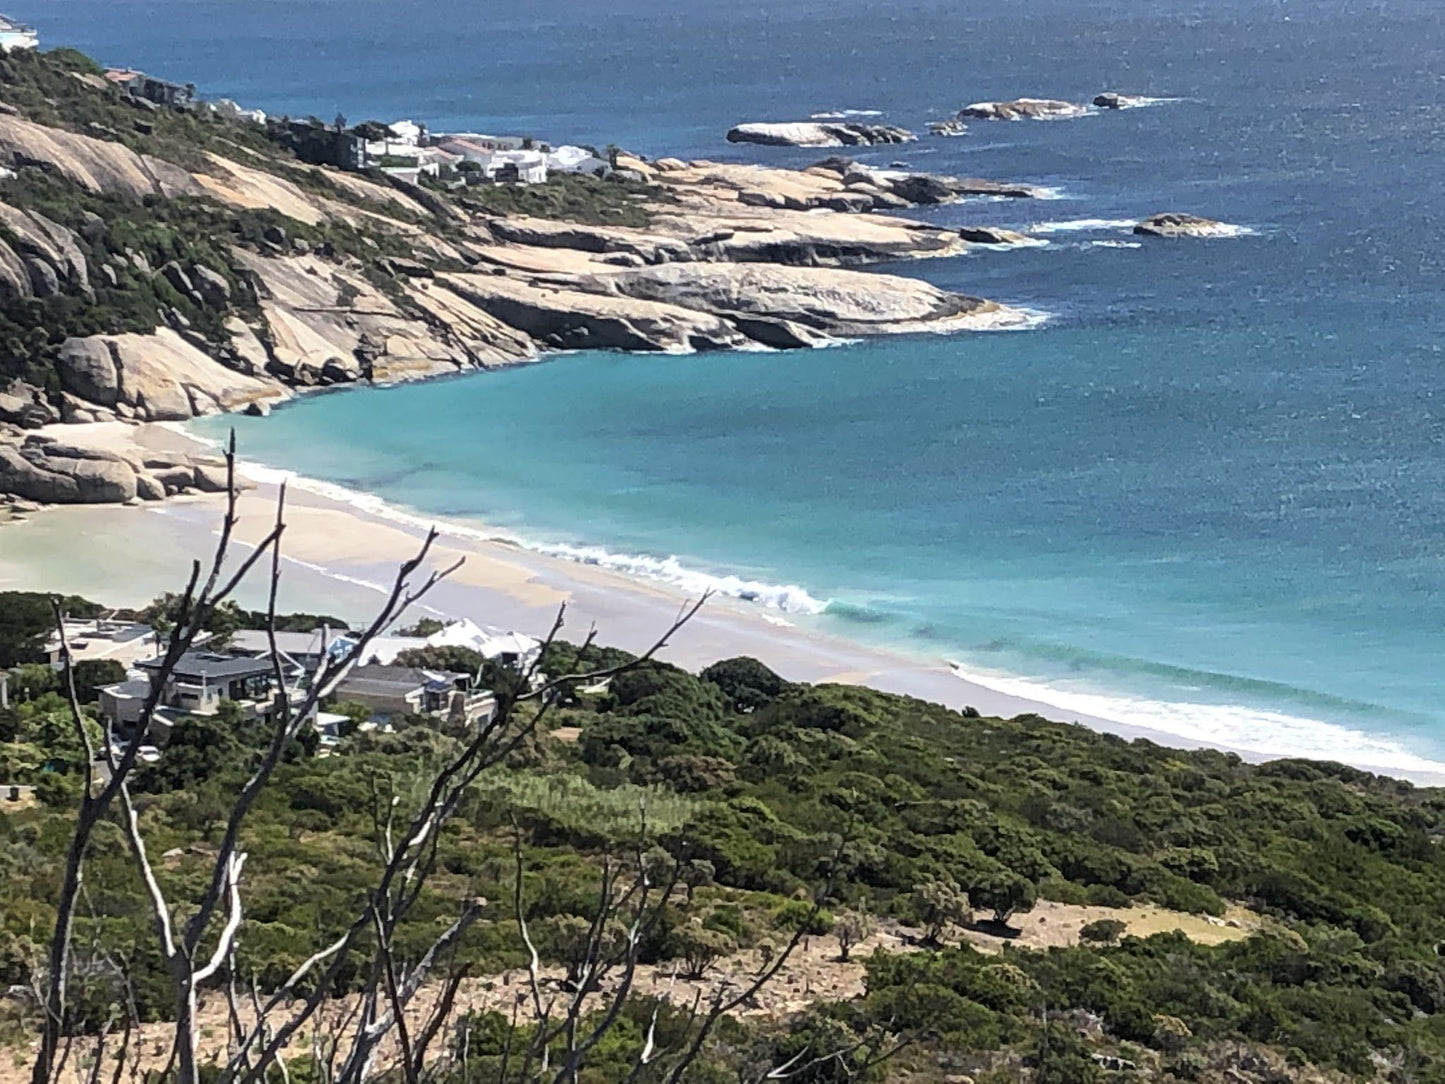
(248, 672)
(406, 150)
(403, 149)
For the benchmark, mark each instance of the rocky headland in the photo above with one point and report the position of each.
(818, 134)
(156, 268)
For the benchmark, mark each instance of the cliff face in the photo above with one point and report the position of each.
(196, 268)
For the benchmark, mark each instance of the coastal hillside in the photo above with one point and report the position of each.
(959, 898)
(159, 261)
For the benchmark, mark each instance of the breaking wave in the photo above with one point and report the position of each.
(784, 597)
(1082, 225)
(1249, 730)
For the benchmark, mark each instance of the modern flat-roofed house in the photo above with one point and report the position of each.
(148, 88)
(16, 35)
(195, 686)
(410, 690)
(500, 158)
(127, 642)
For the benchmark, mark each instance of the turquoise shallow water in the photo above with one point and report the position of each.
(1205, 496)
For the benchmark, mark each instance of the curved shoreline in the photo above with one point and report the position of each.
(344, 544)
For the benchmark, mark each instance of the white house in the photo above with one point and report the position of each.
(407, 132)
(503, 158)
(233, 111)
(16, 35)
(569, 159)
(512, 648)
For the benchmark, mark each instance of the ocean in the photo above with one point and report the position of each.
(1204, 495)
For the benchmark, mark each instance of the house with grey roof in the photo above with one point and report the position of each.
(196, 685)
(411, 690)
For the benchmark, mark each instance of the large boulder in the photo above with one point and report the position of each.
(991, 235)
(162, 377)
(38, 257)
(55, 473)
(97, 165)
(819, 134)
(921, 188)
(87, 369)
(574, 318)
(826, 301)
(25, 406)
(1022, 109)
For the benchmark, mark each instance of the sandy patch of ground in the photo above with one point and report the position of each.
(812, 974)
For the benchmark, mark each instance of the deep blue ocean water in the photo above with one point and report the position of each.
(1206, 495)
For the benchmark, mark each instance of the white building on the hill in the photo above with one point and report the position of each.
(16, 35)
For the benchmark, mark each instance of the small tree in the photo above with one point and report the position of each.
(1005, 893)
(852, 928)
(1103, 931)
(938, 903)
(700, 948)
(697, 873)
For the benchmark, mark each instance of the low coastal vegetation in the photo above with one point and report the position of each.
(837, 813)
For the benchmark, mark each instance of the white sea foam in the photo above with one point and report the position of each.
(840, 114)
(1082, 225)
(1142, 101)
(1249, 730)
(1114, 244)
(787, 598)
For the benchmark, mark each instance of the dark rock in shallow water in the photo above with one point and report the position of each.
(921, 188)
(1174, 224)
(991, 235)
(1114, 100)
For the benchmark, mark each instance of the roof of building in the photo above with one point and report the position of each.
(210, 666)
(256, 641)
(395, 680)
(122, 75)
(134, 687)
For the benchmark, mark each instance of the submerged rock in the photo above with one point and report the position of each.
(1023, 109)
(819, 134)
(992, 235)
(947, 127)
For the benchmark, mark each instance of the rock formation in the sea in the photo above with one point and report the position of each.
(1022, 109)
(51, 471)
(819, 134)
(992, 235)
(776, 302)
(1112, 99)
(947, 127)
(1174, 224)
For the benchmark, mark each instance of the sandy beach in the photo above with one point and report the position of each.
(338, 558)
